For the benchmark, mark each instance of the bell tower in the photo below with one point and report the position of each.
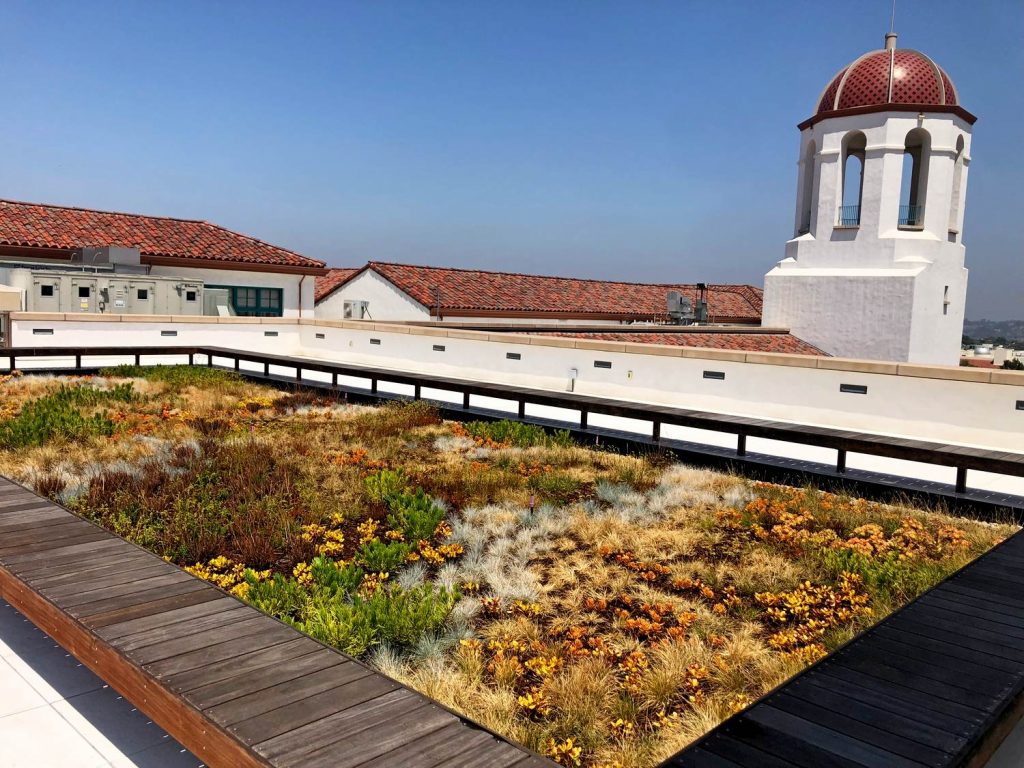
(875, 267)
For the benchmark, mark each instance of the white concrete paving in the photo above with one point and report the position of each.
(55, 712)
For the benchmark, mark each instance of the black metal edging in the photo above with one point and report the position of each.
(842, 441)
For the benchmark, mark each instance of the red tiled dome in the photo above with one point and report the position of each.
(892, 76)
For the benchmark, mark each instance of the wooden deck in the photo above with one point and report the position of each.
(939, 683)
(236, 687)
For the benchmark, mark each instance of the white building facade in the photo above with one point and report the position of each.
(875, 269)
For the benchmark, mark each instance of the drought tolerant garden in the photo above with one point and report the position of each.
(602, 609)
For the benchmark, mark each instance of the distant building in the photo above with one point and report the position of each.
(386, 292)
(875, 268)
(70, 260)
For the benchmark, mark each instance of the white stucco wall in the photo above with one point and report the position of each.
(386, 301)
(828, 253)
(291, 298)
(953, 405)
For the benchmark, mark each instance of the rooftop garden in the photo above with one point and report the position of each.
(602, 609)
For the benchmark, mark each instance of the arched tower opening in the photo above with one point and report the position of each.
(914, 181)
(854, 145)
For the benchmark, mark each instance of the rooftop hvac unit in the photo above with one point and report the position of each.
(680, 308)
(107, 255)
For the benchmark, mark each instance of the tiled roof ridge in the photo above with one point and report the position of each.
(717, 286)
(83, 209)
(78, 216)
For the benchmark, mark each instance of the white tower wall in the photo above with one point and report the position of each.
(877, 289)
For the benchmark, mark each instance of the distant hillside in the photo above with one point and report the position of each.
(1005, 332)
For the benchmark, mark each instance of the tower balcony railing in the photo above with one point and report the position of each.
(849, 216)
(911, 215)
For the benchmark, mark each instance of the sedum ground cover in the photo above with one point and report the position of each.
(602, 609)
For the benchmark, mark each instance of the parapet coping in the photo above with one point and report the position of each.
(819, 362)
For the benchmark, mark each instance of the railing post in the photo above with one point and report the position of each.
(138, 359)
(841, 461)
(238, 362)
(373, 386)
(583, 419)
(961, 480)
(522, 409)
(209, 360)
(416, 391)
(656, 432)
(334, 379)
(465, 401)
(741, 444)
(191, 358)
(78, 361)
(266, 369)
(298, 373)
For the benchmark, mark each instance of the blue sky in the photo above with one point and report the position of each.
(646, 141)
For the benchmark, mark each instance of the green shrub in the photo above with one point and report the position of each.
(401, 616)
(378, 557)
(895, 580)
(557, 487)
(57, 415)
(392, 615)
(416, 515)
(338, 623)
(385, 483)
(518, 434)
(280, 597)
(335, 579)
(175, 376)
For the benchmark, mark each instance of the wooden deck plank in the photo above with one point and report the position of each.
(380, 736)
(105, 596)
(104, 606)
(220, 652)
(829, 740)
(454, 746)
(297, 688)
(170, 618)
(223, 616)
(107, 552)
(819, 693)
(297, 714)
(254, 624)
(244, 663)
(223, 691)
(94, 580)
(900, 701)
(296, 747)
(161, 605)
(892, 736)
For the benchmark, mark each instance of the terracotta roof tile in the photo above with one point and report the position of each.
(785, 343)
(54, 226)
(473, 289)
(327, 284)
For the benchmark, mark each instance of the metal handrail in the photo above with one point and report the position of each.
(911, 215)
(849, 216)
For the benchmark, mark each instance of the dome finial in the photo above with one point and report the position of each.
(890, 37)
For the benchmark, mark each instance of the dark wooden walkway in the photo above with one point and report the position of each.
(236, 687)
(939, 683)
